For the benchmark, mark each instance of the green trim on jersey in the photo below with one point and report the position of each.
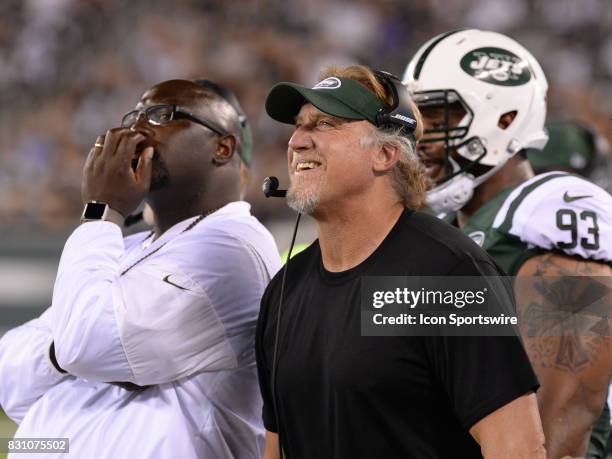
(508, 251)
(507, 224)
(494, 225)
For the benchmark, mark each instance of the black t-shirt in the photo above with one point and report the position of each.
(345, 396)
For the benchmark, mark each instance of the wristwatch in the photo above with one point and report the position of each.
(95, 210)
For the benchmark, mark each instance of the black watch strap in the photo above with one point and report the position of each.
(94, 210)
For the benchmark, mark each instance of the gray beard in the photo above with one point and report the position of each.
(305, 203)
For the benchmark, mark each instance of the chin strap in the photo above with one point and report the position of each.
(451, 195)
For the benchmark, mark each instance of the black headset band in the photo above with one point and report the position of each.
(399, 114)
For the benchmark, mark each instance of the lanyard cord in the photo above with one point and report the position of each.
(276, 342)
(191, 225)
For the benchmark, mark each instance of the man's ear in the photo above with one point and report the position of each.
(386, 157)
(226, 146)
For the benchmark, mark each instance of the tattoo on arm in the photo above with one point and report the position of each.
(564, 305)
(567, 308)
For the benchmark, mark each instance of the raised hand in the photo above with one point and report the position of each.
(108, 175)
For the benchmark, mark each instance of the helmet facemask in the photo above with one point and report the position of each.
(452, 118)
(501, 88)
(460, 154)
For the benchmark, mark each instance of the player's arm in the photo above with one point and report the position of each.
(567, 337)
(271, 446)
(26, 372)
(489, 379)
(514, 430)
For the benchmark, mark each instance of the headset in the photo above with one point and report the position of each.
(270, 188)
(398, 115)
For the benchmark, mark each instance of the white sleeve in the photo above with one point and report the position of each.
(152, 326)
(26, 372)
(569, 214)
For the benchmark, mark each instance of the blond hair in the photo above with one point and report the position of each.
(409, 178)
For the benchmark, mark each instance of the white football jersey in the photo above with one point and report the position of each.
(560, 211)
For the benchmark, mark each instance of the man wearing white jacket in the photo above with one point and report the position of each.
(147, 349)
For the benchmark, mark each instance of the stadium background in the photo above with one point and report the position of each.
(69, 69)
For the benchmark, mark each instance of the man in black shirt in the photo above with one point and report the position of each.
(331, 392)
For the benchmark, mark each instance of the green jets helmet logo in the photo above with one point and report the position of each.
(496, 66)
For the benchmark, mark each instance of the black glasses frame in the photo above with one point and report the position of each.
(176, 110)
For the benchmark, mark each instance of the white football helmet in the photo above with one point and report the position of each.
(490, 75)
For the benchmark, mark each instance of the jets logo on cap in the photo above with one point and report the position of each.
(496, 66)
(328, 83)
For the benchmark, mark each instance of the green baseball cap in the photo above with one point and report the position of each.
(336, 96)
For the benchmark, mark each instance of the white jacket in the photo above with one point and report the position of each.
(181, 321)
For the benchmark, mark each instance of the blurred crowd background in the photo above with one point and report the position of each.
(69, 69)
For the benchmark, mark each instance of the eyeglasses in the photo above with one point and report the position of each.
(158, 115)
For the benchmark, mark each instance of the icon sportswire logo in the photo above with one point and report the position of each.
(568, 198)
(496, 66)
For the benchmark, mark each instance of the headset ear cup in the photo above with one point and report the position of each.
(385, 121)
(380, 119)
(399, 114)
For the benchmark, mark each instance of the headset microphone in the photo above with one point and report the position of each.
(270, 188)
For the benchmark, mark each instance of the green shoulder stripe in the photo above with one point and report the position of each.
(507, 223)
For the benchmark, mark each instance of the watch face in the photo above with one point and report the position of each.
(94, 211)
